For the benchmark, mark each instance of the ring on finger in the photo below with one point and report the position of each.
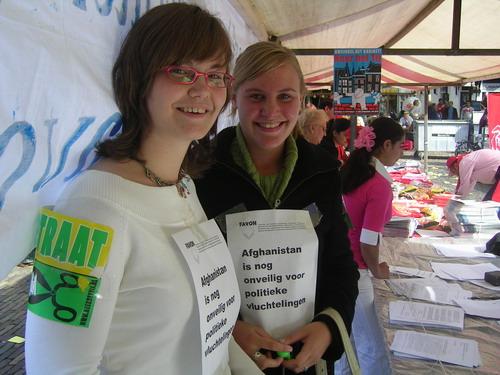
(257, 355)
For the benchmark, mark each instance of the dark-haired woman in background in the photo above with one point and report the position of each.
(335, 140)
(367, 194)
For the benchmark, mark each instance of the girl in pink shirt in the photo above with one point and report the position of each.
(368, 199)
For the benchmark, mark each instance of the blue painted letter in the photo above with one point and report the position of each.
(29, 145)
(85, 122)
(50, 125)
(116, 120)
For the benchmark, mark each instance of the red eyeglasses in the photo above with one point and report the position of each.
(187, 75)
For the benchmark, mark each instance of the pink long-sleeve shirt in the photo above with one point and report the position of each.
(369, 207)
(478, 166)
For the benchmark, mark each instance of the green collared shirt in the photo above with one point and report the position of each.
(273, 186)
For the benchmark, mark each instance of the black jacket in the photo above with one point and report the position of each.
(315, 179)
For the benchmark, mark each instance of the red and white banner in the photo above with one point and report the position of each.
(494, 120)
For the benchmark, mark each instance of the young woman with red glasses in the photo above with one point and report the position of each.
(131, 306)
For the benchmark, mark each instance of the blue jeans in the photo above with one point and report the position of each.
(366, 337)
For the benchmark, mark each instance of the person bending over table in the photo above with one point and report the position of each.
(477, 166)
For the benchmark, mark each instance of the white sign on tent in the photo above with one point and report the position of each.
(56, 100)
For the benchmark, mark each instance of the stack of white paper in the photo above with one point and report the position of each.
(426, 314)
(448, 349)
(411, 272)
(458, 271)
(484, 308)
(426, 233)
(434, 290)
(400, 227)
(404, 163)
(468, 216)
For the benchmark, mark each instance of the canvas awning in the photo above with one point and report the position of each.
(441, 42)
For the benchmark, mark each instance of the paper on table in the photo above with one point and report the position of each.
(453, 251)
(400, 227)
(440, 348)
(432, 233)
(410, 163)
(458, 271)
(486, 309)
(408, 271)
(417, 313)
(467, 246)
(484, 284)
(434, 290)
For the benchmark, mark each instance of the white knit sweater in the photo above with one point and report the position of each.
(146, 319)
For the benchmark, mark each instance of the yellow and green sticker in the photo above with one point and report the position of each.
(70, 259)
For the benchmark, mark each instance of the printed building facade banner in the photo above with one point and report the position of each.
(356, 85)
(56, 100)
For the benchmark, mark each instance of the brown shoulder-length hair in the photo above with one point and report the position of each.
(168, 34)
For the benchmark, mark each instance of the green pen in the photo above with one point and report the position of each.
(284, 355)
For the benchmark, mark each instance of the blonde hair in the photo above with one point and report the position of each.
(309, 115)
(262, 57)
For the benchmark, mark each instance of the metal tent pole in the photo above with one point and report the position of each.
(426, 125)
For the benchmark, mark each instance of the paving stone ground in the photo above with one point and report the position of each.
(13, 298)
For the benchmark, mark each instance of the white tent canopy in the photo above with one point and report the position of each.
(420, 41)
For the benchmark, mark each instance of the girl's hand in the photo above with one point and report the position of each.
(383, 271)
(316, 338)
(256, 343)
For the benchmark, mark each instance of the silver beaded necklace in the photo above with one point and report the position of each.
(181, 186)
